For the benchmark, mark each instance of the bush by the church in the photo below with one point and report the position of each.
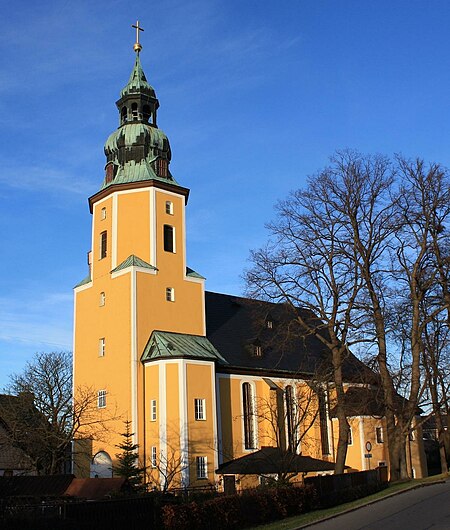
(251, 508)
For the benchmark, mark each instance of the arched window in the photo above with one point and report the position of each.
(134, 111)
(123, 114)
(101, 465)
(249, 416)
(290, 418)
(146, 113)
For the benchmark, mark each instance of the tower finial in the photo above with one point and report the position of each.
(137, 45)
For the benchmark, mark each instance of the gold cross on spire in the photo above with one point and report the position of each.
(137, 45)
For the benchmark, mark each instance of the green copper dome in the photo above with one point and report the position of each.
(137, 150)
(137, 82)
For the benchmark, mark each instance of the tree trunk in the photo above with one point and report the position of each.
(341, 453)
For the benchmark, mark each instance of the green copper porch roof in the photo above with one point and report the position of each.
(165, 345)
(84, 281)
(137, 82)
(134, 261)
(192, 274)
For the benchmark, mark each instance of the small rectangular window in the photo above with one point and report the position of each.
(102, 299)
(101, 347)
(379, 435)
(350, 436)
(153, 457)
(153, 410)
(101, 399)
(170, 294)
(169, 207)
(200, 409)
(103, 244)
(202, 467)
(103, 214)
(382, 463)
(169, 239)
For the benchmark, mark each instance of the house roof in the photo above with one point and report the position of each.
(362, 401)
(134, 261)
(270, 460)
(164, 344)
(94, 488)
(234, 325)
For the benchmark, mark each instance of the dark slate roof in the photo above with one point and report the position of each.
(368, 401)
(362, 401)
(43, 486)
(273, 460)
(234, 325)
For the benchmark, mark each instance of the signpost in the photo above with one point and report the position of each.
(368, 455)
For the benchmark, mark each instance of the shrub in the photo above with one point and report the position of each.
(251, 508)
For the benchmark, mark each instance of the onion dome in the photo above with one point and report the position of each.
(137, 150)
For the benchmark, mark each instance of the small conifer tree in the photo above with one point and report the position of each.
(127, 460)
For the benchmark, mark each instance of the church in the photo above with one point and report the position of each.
(208, 381)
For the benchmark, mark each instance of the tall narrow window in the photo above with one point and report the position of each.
(290, 419)
(102, 299)
(101, 347)
(199, 406)
(134, 111)
(154, 457)
(169, 207)
(169, 240)
(103, 244)
(103, 214)
(323, 423)
(202, 467)
(350, 436)
(123, 114)
(101, 399)
(257, 350)
(153, 409)
(249, 416)
(379, 435)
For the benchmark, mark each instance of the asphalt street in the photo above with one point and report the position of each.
(423, 508)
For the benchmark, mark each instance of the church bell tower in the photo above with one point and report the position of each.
(139, 315)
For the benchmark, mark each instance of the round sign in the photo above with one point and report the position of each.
(368, 447)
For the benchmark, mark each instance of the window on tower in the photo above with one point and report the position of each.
(169, 238)
(170, 294)
(103, 244)
(134, 111)
(123, 114)
(162, 167)
(169, 207)
(146, 113)
(101, 399)
(109, 172)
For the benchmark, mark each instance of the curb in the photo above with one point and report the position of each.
(368, 503)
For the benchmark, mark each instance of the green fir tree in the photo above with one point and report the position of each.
(127, 461)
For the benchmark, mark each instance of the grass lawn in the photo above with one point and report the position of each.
(292, 523)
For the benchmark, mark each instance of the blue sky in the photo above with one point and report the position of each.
(255, 96)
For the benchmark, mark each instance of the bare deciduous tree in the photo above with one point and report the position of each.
(41, 416)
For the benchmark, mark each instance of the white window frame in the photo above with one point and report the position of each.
(102, 299)
(153, 456)
(101, 347)
(202, 467)
(153, 410)
(379, 435)
(103, 213)
(200, 409)
(104, 254)
(101, 399)
(170, 294)
(169, 207)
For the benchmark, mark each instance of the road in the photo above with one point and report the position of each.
(423, 508)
